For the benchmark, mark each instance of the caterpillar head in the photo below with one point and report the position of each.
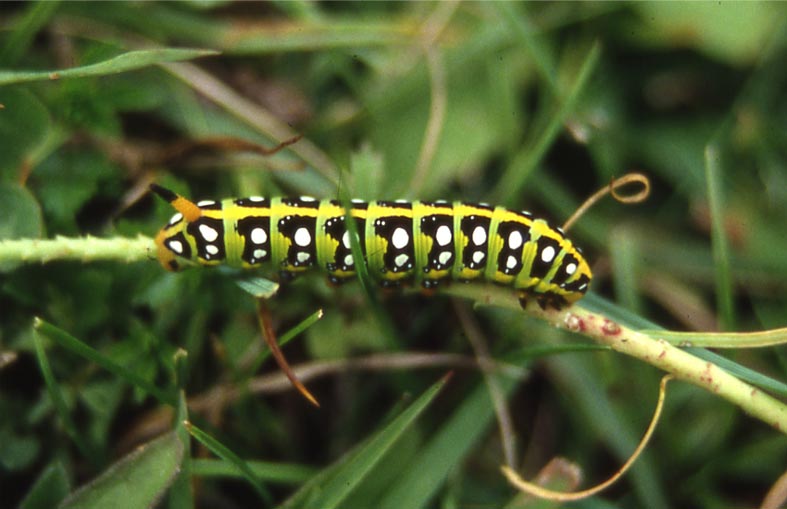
(173, 247)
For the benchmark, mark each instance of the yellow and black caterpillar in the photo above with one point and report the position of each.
(417, 242)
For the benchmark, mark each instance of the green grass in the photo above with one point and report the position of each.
(525, 105)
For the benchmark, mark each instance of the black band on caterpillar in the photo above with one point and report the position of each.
(417, 242)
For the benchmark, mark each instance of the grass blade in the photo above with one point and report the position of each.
(333, 485)
(230, 457)
(128, 61)
(80, 348)
(719, 242)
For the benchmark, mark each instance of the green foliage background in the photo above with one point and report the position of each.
(524, 105)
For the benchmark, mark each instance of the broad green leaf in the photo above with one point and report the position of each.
(51, 486)
(20, 215)
(136, 481)
(24, 124)
(735, 32)
(259, 287)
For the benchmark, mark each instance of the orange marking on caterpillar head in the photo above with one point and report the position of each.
(190, 210)
(166, 257)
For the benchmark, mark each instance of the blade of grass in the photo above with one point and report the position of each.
(181, 495)
(719, 242)
(444, 451)
(286, 338)
(68, 341)
(759, 339)
(230, 457)
(331, 486)
(59, 402)
(18, 41)
(527, 159)
(520, 26)
(281, 473)
(128, 61)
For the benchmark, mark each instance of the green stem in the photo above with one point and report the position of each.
(657, 352)
(85, 249)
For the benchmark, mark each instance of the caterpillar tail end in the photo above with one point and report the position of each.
(189, 209)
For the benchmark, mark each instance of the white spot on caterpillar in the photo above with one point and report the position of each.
(357, 201)
(444, 257)
(571, 268)
(479, 235)
(176, 246)
(212, 249)
(208, 233)
(401, 259)
(256, 198)
(548, 254)
(308, 198)
(443, 235)
(346, 239)
(302, 237)
(478, 256)
(515, 239)
(259, 253)
(302, 256)
(511, 262)
(348, 260)
(582, 287)
(400, 238)
(258, 236)
(205, 203)
(176, 218)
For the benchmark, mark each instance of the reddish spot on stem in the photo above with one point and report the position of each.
(575, 323)
(610, 328)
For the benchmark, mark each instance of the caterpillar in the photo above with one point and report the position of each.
(419, 242)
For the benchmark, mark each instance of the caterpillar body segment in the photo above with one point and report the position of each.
(418, 242)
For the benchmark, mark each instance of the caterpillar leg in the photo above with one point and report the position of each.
(430, 286)
(550, 300)
(544, 301)
(336, 282)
